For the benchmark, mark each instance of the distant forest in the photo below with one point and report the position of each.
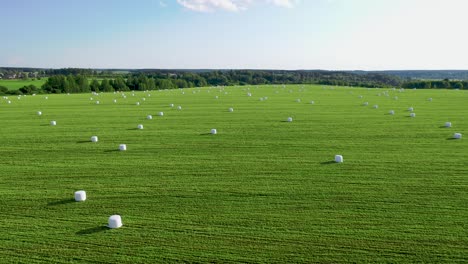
(74, 80)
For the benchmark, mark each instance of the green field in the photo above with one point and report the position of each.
(16, 84)
(260, 191)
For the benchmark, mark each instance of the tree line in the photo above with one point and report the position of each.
(87, 80)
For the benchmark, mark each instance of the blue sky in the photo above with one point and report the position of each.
(235, 34)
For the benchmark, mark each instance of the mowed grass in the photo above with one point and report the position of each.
(261, 190)
(16, 84)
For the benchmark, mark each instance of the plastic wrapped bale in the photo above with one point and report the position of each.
(53, 123)
(161, 114)
(97, 102)
(231, 109)
(391, 112)
(171, 105)
(448, 124)
(411, 109)
(137, 103)
(430, 99)
(216, 97)
(412, 115)
(143, 99)
(312, 102)
(149, 117)
(338, 158)
(290, 119)
(214, 131)
(261, 99)
(115, 221)
(365, 103)
(298, 100)
(39, 113)
(115, 100)
(457, 136)
(140, 126)
(179, 107)
(249, 94)
(80, 196)
(375, 106)
(122, 147)
(94, 139)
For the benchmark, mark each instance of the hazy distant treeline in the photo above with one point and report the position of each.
(73, 80)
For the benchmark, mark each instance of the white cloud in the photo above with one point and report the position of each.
(283, 3)
(230, 5)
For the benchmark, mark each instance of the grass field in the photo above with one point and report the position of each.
(261, 190)
(16, 84)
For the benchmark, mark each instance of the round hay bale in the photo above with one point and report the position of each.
(457, 136)
(115, 221)
(140, 126)
(214, 131)
(290, 119)
(448, 124)
(338, 158)
(122, 147)
(94, 139)
(53, 123)
(80, 196)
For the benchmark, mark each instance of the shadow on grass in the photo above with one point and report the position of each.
(92, 230)
(83, 141)
(285, 121)
(328, 162)
(45, 125)
(443, 127)
(452, 138)
(60, 202)
(132, 128)
(205, 134)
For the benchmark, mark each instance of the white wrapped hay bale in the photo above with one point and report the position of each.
(97, 102)
(115, 100)
(412, 115)
(391, 112)
(365, 103)
(448, 124)
(216, 97)
(80, 196)
(137, 103)
(375, 106)
(171, 105)
(53, 123)
(249, 94)
(298, 100)
(9, 102)
(338, 158)
(143, 99)
(115, 221)
(140, 126)
(290, 119)
(214, 131)
(161, 114)
(149, 117)
(411, 109)
(122, 147)
(179, 107)
(261, 99)
(312, 102)
(39, 113)
(430, 99)
(94, 139)
(457, 136)
(231, 109)
(90, 98)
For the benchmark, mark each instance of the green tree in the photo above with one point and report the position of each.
(94, 85)
(105, 86)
